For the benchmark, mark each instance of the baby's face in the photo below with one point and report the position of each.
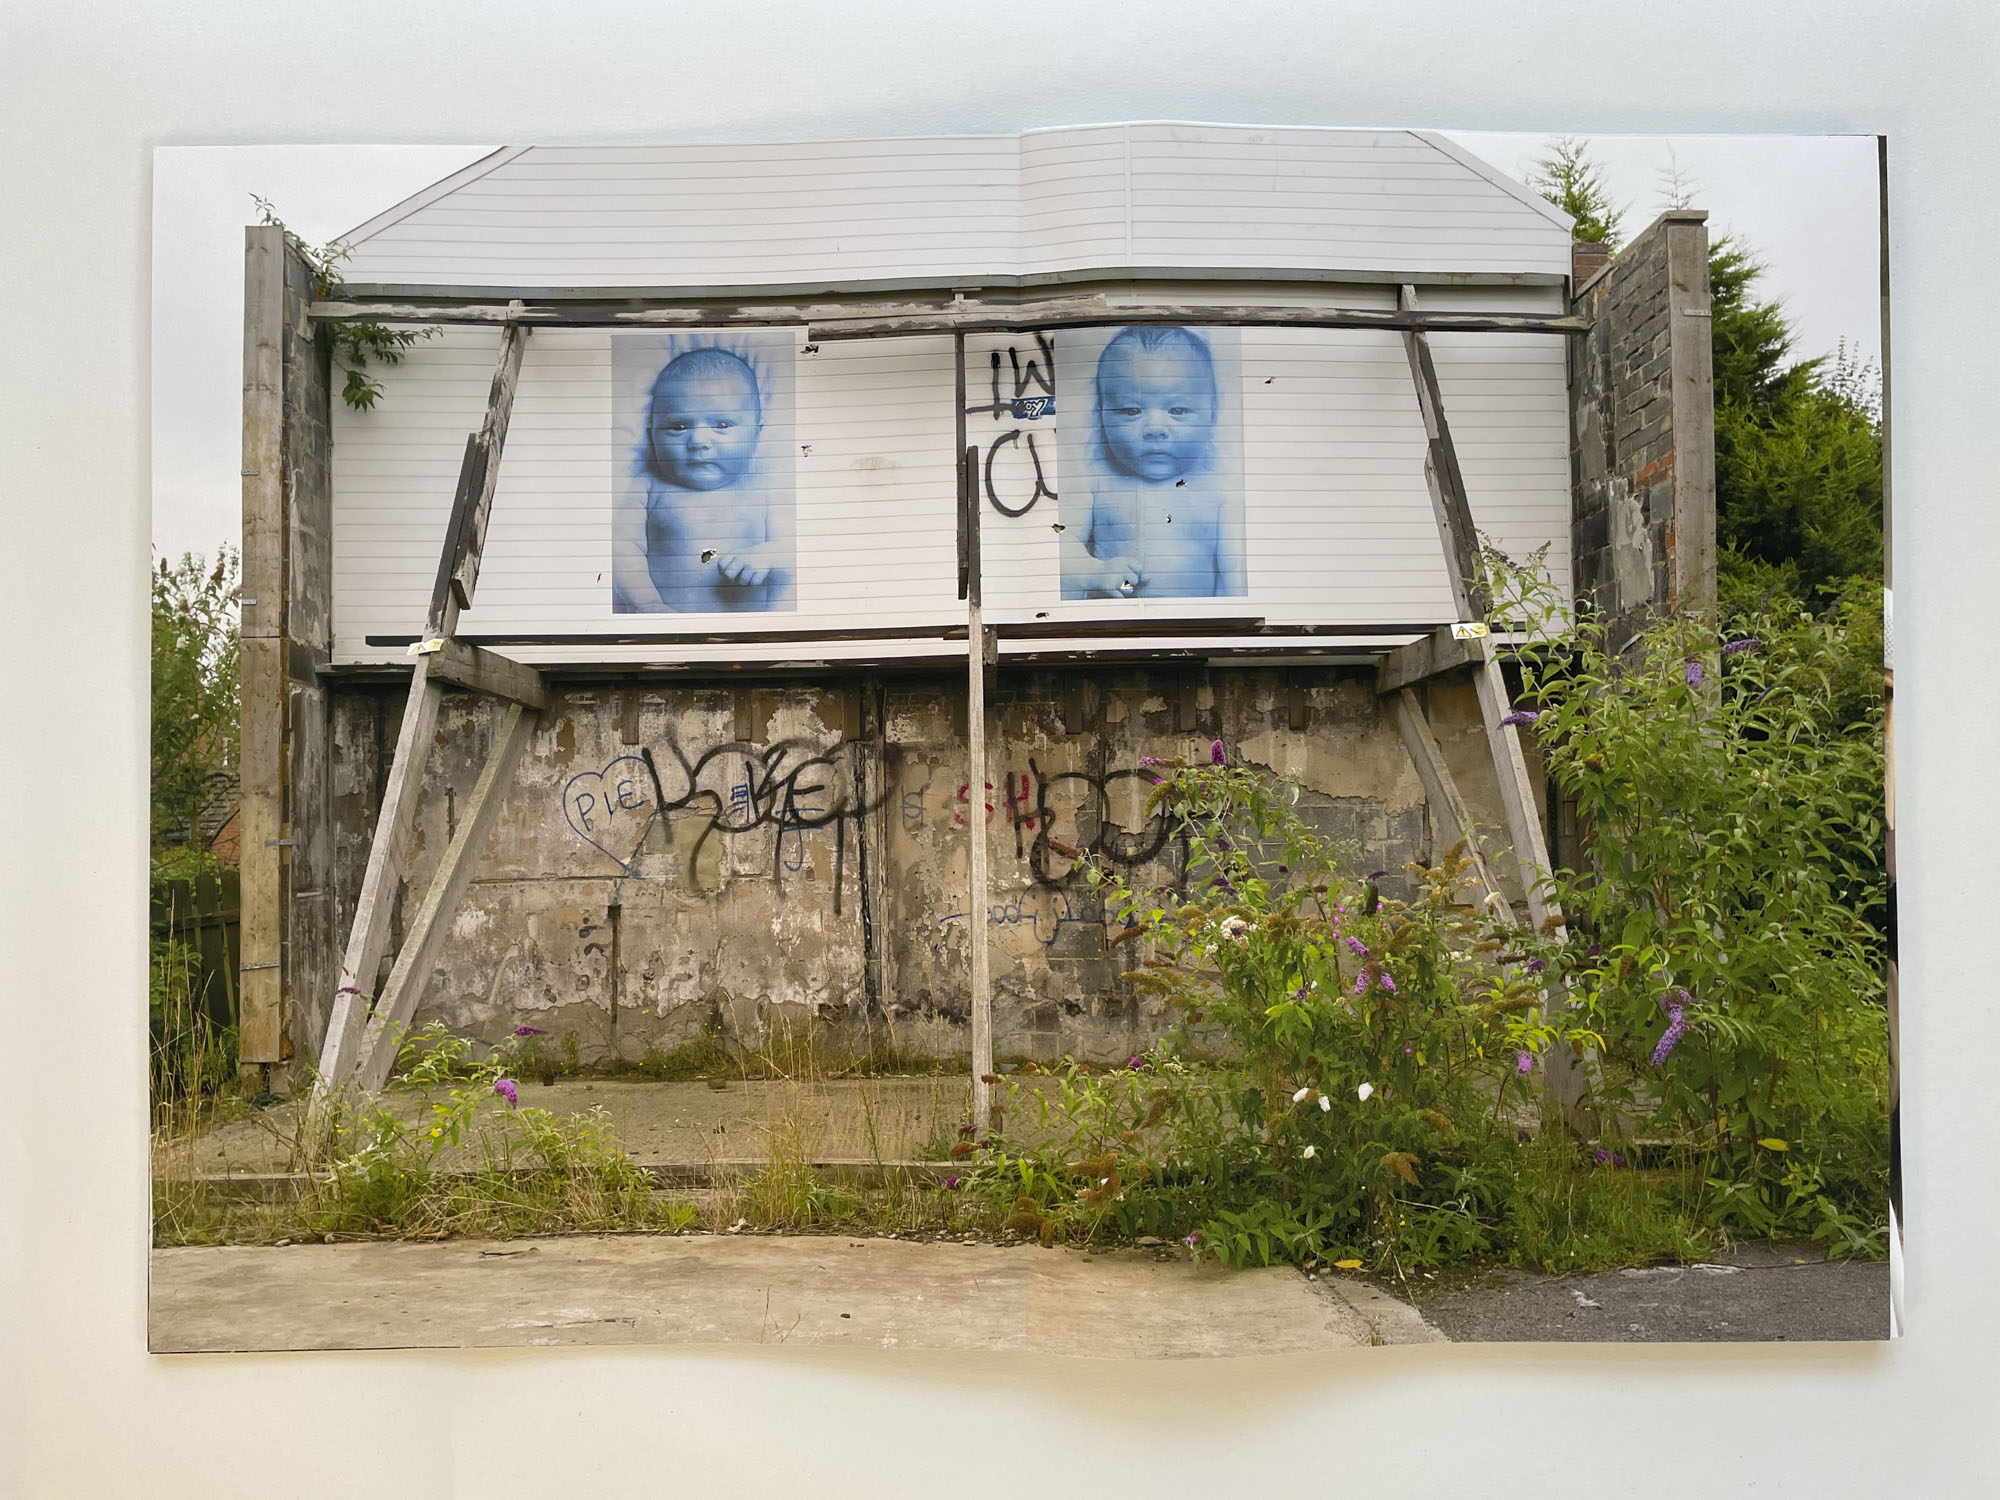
(704, 429)
(1157, 411)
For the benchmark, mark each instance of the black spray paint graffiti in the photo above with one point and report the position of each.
(1096, 833)
(787, 789)
(1024, 404)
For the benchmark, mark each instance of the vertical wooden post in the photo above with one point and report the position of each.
(262, 750)
(981, 979)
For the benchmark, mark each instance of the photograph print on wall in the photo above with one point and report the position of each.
(1157, 509)
(704, 514)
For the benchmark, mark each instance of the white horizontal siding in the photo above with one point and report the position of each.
(961, 207)
(1339, 523)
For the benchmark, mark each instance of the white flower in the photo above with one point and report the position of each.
(1234, 927)
(1310, 1152)
(1365, 1090)
(1325, 1104)
(1300, 1096)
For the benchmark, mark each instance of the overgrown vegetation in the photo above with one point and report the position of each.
(353, 346)
(196, 665)
(1379, 1100)
(1730, 787)
(1798, 449)
(196, 672)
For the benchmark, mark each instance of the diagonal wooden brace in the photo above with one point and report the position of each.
(1439, 788)
(472, 504)
(418, 956)
(1449, 502)
(1567, 1077)
(458, 572)
(370, 932)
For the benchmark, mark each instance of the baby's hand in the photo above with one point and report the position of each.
(1120, 576)
(742, 567)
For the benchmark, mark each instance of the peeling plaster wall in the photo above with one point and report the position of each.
(804, 850)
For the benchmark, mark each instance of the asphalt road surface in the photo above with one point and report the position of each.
(1758, 1293)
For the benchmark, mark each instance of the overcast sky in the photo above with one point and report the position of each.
(1804, 205)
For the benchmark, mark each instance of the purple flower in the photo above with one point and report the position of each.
(1284, 869)
(1157, 780)
(1217, 755)
(1358, 946)
(1676, 1024)
(1223, 882)
(1595, 951)
(1693, 672)
(1377, 874)
(968, 1130)
(1608, 1158)
(1192, 1240)
(1747, 643)
(1536, 965)
(506, 1090)
(346, 989)
(1371, 973)
(1301, 992)
(1520, 717)
(1409, 1049)
(1523, 1063)
(951, 1184)
(1149, 760)
(529, 1031)
(1134, 1064)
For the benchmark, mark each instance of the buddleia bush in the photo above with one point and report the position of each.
(1367, 1052)
(1730, 910)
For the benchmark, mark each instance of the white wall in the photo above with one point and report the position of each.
(1340, 528)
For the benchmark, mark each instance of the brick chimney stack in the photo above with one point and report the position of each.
(1586, 259)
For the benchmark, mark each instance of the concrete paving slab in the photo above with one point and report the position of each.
(701, 1289)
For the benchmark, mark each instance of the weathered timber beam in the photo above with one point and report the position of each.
(458, 572)
(1568, 1077)
(479, 475)
(1440, 790)
(262, 746)
(835, 321)
(404, 990)
(1442, 474)
(481, 671)
(1002, 320)
(369, 935)
(1439, 652)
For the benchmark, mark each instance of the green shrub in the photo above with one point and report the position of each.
(1730, 918)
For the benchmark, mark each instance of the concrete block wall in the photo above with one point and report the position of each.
(799, 849)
